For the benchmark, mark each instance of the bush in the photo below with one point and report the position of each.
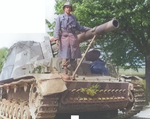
(90, 91)
(142, 83)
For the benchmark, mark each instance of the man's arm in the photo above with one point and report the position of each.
(82, 28)
(57, 29)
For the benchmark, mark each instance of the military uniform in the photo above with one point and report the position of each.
(65, 29)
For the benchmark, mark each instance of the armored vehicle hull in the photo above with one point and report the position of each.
(32, 85)
(47, 96)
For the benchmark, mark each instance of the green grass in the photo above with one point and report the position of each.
(140, 73)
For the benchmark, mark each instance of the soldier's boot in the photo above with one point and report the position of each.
(70, 70)
(64, 65)
(65, 69)
(72, 67)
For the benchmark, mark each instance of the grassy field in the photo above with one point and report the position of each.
(140, 73)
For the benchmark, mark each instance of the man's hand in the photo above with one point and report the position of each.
(52, 39)
(57, 42)
(93, 30)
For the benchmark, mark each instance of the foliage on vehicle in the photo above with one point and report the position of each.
(91, 91)
(3, 55)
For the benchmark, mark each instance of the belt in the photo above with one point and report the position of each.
(66, 33)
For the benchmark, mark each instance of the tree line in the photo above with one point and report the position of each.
(128, 46)
(3, 55)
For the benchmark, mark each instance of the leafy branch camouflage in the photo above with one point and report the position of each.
(92, 91)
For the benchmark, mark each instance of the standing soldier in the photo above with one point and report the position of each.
(66, 38)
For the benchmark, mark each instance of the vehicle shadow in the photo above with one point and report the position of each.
(139, 118)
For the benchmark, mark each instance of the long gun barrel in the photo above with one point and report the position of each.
(99, 30)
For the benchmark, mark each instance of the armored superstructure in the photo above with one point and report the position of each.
(32, 85)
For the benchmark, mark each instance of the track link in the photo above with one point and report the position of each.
(13, 109)
(42, 107)
(38, 107)
(47, 109)
(139, 101)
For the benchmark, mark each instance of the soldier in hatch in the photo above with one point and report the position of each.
(66, 38)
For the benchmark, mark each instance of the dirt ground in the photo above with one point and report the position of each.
(144, 114)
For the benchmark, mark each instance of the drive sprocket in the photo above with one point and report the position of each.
(42, 107)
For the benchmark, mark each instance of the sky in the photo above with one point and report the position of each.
(23, 20)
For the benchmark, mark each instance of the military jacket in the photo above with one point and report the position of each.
(65, 29)
(65, 23)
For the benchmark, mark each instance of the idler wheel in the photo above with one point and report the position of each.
(34, 100)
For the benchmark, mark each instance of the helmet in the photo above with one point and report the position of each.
(93, 55)
(67, 4)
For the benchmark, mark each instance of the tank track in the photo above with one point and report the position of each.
(45, 107)
(20, 110)
(139, 101)
(42, 107)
